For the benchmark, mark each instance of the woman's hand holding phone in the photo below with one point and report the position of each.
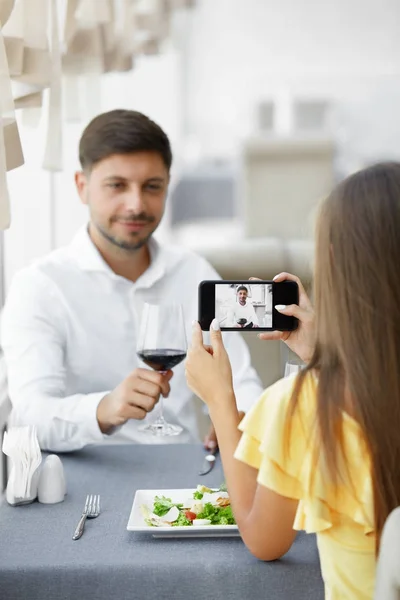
(301, 340)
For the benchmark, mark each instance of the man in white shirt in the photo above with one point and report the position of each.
(70, 324)
(242, 314)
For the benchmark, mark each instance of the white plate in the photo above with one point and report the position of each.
(137, 523)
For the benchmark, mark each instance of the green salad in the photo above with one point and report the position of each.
(205, 507)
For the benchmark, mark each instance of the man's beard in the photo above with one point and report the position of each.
(123, 244)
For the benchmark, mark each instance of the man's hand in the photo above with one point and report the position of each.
(210, 441)
(133, 398)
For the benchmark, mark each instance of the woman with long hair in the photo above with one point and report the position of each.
(320, 451)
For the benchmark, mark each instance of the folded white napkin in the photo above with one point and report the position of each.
(21, 445)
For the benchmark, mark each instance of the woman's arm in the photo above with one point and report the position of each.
(265, 518)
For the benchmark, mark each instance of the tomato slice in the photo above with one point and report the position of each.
(191, 516)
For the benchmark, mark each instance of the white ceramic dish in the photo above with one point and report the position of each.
(137, 523)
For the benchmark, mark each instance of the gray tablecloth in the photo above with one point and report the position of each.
(40, 561)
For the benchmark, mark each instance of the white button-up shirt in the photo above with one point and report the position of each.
(240, 311)
(69, 333)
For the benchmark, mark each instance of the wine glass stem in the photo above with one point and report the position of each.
(160, 419)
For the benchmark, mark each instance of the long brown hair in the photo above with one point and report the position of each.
(357, 305)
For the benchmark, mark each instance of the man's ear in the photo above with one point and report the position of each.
(81, 182)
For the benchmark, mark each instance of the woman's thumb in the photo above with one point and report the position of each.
(215, 335)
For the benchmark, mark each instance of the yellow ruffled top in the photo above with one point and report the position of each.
(289, 462)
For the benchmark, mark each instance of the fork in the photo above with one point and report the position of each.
(91, 511)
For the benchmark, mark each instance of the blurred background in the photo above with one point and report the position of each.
(267, 105)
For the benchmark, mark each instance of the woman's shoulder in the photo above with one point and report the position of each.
(282, 391)
(274, 404)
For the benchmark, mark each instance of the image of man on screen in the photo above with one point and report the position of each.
(242, 314)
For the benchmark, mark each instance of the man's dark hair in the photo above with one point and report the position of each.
(122, 132)
(242, 287)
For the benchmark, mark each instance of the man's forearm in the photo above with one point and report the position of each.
(62, 424)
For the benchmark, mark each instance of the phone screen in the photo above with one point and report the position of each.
(247, 306)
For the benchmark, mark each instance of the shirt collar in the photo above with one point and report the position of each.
(89, 258)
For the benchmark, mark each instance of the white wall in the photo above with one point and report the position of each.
(240, 51)
(30, 234)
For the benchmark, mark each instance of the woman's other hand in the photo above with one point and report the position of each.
(301, 340)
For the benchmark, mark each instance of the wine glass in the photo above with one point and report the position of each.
(162, 346)
(291, 368)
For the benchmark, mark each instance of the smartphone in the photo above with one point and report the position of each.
(247, 305)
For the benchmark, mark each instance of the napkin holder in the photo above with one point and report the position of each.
(21, 446)
(32, 489)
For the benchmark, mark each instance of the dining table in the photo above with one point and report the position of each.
(39, 560)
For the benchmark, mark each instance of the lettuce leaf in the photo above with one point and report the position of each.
(162, 505)
(217, 515)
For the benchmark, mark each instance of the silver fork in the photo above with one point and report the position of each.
(91, 511)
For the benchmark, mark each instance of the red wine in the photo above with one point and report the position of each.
(162, 359)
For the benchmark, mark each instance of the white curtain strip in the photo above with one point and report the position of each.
(91, 13)
(98, 36)
(6, 7)
(53, 149)
(12, 156)
(25, 30)
(5, 216)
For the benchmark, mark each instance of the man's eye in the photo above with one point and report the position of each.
(154, 187)
(116, 185)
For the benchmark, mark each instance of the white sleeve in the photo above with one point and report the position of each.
(33, 337)
(230, 317)
(387, 573)
(246, 382)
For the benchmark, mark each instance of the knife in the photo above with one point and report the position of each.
(209, 462)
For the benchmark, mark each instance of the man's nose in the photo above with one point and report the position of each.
(134, 201)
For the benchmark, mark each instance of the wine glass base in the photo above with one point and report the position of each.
(161, 429)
